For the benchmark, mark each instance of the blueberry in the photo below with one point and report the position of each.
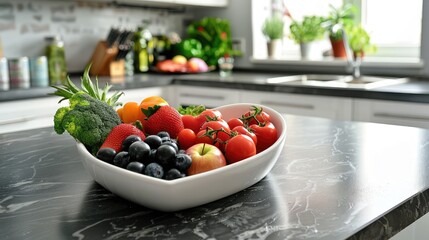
(173, 174)
(165, 139)
(163, 134)
(128, 141)
(137, 167)
(154, 141)
(174, 145)
(183, 162)
(154, 170)
(122, 159)
(139, 151)
(106, 154)
(152, 155)
(165, 156)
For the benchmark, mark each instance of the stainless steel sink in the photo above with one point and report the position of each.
(337, 81)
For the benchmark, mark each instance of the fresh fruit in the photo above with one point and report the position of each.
(165, 156)
(122, 159)
(244, 131)
(118, 134)
(129, 140)
(131, 112)
(151, 102)
(162, 118)
(205, 157)
(201, 64)
(183, 161)
(255, 116)
(186, 138)
(137, 167)
(234, 122)
(238, 148)
(266, 135)
(179, 59)
(154, 170)
(154, 141)
(139, 151)
(106, 154)
(173, 174)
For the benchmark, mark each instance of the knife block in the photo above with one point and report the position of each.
(103, 61)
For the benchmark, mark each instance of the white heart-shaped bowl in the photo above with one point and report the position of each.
(192, 190)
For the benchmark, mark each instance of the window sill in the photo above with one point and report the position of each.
(376, 62)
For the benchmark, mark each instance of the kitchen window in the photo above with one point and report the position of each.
(396, 32)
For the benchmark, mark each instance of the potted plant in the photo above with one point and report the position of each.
(342, 16)
(306, 33)
(360, 41)
(273, 30)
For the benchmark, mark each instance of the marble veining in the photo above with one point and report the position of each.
(333, 180)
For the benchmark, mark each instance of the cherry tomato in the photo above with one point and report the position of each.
(209, 115)
(186, 138)
(220, 132)
(245, 131)
(191, 122)
(238, 148)
(267, 135)
(256, 116)
(202, 137)
(234, 122)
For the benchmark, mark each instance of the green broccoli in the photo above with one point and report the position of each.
(87, 119)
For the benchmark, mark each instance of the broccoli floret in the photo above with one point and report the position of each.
(87, 119)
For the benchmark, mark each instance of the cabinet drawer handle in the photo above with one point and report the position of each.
(202, 96)
(291, 105)
(409, 117)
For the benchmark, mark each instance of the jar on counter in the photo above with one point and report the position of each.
(56, 60)
(19, 73)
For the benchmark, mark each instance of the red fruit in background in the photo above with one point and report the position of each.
(266, 135)
(162, 118)
(119, 133)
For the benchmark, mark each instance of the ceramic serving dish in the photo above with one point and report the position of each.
(192, 190)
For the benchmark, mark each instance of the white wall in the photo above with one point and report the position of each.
(25, 24)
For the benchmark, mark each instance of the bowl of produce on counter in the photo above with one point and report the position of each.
(168, 158)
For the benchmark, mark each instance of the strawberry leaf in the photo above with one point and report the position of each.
(150, 110)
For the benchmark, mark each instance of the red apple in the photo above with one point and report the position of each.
(205, 157)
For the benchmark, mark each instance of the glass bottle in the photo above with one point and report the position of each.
(57, 66)
(142, 38)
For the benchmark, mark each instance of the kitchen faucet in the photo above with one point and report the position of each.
(354, 62)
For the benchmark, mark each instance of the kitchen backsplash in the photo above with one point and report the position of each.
(25, 24)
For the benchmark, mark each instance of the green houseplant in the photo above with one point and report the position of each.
(342, 16)
(360, 41)
(273, 30)
(306, 33)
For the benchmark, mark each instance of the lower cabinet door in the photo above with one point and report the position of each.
(392, 112)
(300, 104)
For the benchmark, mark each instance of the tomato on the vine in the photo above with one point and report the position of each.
(203, 137)
(219, 132)
(238, 148)
(191, 122)
(234, 122)
(245, 131)
(209, 115)
(267, 135)
(186, 138)
(256, 116)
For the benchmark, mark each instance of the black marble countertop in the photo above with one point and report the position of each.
(416, 90)
(333, 180)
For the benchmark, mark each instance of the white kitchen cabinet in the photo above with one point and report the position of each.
(207, 96)
(391, 112)
(299, 104)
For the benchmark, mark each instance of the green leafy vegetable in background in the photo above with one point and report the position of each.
(215, 37)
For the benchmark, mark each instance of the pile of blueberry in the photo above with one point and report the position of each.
(157, 156)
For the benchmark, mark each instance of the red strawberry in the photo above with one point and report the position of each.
(119, 133)
(162, 118)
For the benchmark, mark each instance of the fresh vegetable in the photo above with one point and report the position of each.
(69, 89)
(266, 135)
(238, 148)
(186, 138)
(255, 116)
(87, 119)
(162, 118)
(118, 134)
